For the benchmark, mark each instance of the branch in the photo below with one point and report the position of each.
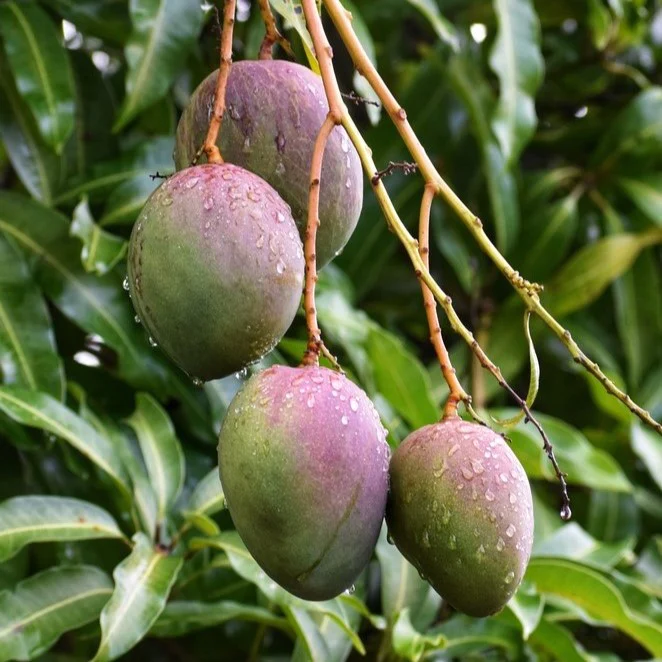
(209, 147)
(272, 36)
(457, 393)
(527, 291)
(406, 167)
(356, 99)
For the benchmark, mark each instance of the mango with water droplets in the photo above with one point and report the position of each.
(215, 269)
(460, 510)
(303, 462)
(274, 112)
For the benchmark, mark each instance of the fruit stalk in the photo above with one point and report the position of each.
(457, 393)
(272, 35)
(210, 148)
(527, 291)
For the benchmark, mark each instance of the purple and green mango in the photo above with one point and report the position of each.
(215, 269)
(460, 510)
(274, 110)
(304, 466)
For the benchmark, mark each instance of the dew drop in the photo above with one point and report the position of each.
(566, 513)
(353, 404)
(281, 217)
(452, 542)
(280, 168)
(489, 495)
(208, 203)
(197, 381)
(351, 590)
(348, 183)
(344, 420)
(512, 498)
(336, 384)
(509, 577)
(513, 473)
(167, 201)
(477, 467)
(136, 319)
(280, 267)
(311, 401)
(190, 183)
(435, 506)
(453, 450)
(504, 478)
(389, 539)
(344, 145)
(251, 195)
(260, 241)
(480, 552)
(426, 539)
(510, 531)
(317, 379)
(247, 144)
(125, 283)
(501, 543)
(439, 470)
(467, 473)
(152, 342)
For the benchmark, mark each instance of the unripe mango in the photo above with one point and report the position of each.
(274, 112)
(215, 269)
(460, 510)
(304, 467)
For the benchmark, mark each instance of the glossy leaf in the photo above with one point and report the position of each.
(645, 191)
(292, 12)
(43, 607)
(126, 201)
(40, 67)
(40, 410)
(163, 34)
(99, 18)
(308, 634)
(101, 250)
(584, 464)
(28, 355)
(597, 596)
(517, 62)
(30, 519)
(161, 450)
(553, 640)
(207, 498)
(648, 447)
(592, 269)
(142, 585)
(443, 28)
(409, 643)
(527, 607)
(466, 635)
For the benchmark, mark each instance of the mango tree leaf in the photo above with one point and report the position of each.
(444, 29)
(28, 355)
(527, 607)
(470, 85)
(648, 447)
(409, 643)
(556, 642)
(41, 68)
(30, 519)
(636, 129)
(584, 464)
(126, 201)
(41, 608)
(517, 61)
(207, 498)
(593, 268)
(595, 594)
(645, 191)
(164, 32)
(400, 378)
(466, 635)
(142, 585)
(101, 250)
(161, 449)
(292, 12)
(36, 165)
(308, 634)
(40, 410)
(181, 617)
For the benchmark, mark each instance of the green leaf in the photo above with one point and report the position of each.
(36, 165)
(555, 642)
(648, 447)
(444, 29)
(41, 68)
(402, 588)
(181, 617)
(142, 585)
(466, 635)
(28, 355)
(589, 272)
(101, 250)
(43, 607)
(527, 607)
(308, 634)
(30, 519)
(584, 464)
(207, 498)
(40, 410)
(595, 594)
(637, 129)
(401, 379)
(292, 12)
(645, 191)
(600, 23)
(409, 643)
(517, 61)
(126, 201)
(161, 449)
(164, 32)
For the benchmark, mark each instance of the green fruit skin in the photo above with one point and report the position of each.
(460, 510)
(215, 269)
(304, 467)
(274, 112)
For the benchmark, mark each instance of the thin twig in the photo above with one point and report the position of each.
(272, 35)
(406, 167)
(358, 100)
(529, 292)
(158, 175)
(457, 393)
(210, 148)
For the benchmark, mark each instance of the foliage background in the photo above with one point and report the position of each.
(544, 117)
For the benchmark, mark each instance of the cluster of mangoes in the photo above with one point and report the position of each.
(216, 270)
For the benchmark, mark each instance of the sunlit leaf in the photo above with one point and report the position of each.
(41, 608)
(40, 67)
(411, 644)
(646, 193)
(142, 585)
(126, 201)
(292, 12)
(527, 607)
(554, 640)
(207, 498)
(648, 446)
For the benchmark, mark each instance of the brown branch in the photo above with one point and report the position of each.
(272, 35)
(457, 393)
(209, 147)
(358, 100)
(406, 167)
